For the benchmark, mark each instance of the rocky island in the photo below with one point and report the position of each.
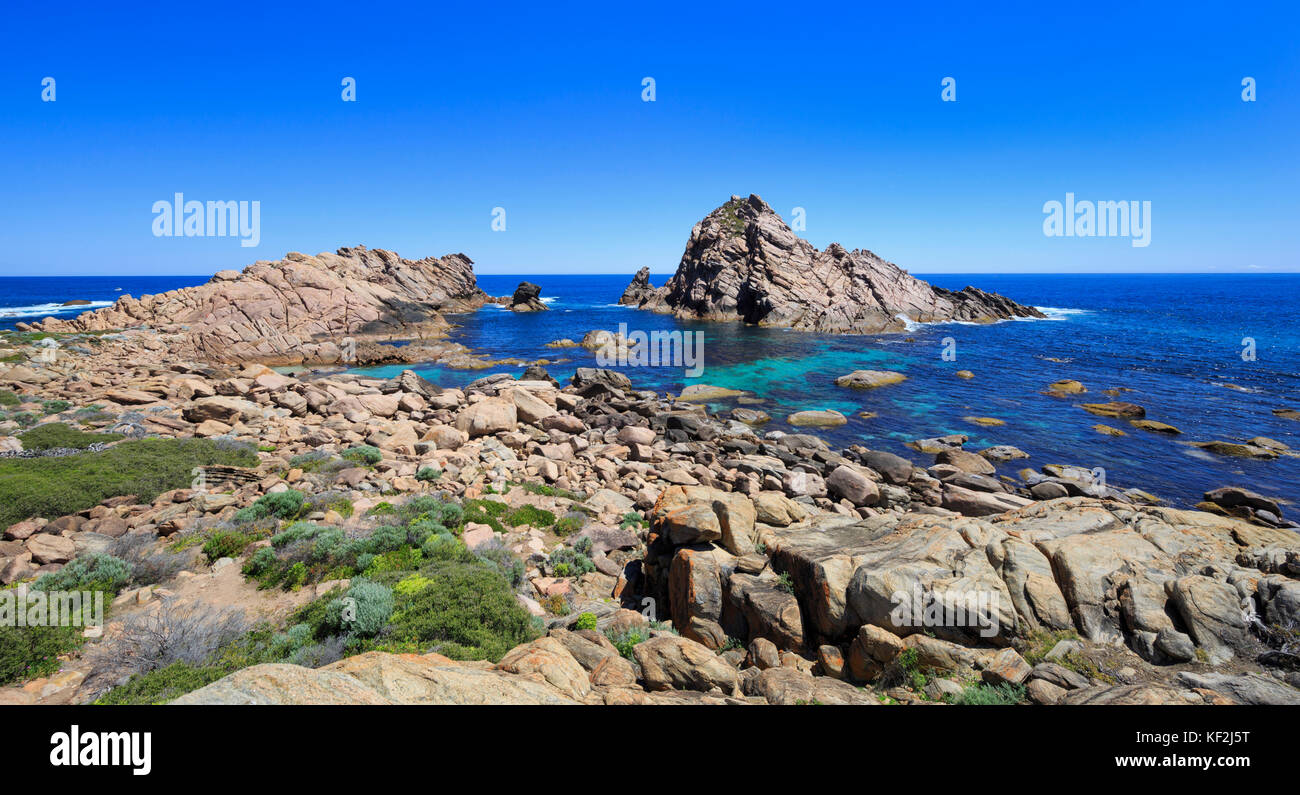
(743, 263)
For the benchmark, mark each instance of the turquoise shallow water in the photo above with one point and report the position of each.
(1173, 340)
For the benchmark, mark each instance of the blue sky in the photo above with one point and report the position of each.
(537, 108)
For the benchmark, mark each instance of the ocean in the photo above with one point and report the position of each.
(1175, 343)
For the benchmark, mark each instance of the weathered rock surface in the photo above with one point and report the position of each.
(527, 298)
(301, 308)
(744, 263)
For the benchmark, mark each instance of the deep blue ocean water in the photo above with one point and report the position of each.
(1174, 340)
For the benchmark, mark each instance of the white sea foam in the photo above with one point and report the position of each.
(1058, 313)
(43, 310)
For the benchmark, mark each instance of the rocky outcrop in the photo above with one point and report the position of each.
(527, 298)
(639, 290)
(300, 309)
(743, 262)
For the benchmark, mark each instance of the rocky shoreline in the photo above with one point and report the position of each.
(666, 554)
(299, 310)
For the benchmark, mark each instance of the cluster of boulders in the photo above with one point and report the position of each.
(772, 565)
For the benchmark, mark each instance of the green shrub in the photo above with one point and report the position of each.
(983, 694)
(568, 524)
(381, 509)
(9, 399)
(632, 521)
(58, 485)
(364, 454)
(32, 652)
(489, 507)
(550, 491)
(226, 544)
(54, 435)
(585, 621)
(627, 639)
(55, 406)
(428, 474)
(467, 611)
(363, 612)
(505, 562)
(95, 572)
(529, 515)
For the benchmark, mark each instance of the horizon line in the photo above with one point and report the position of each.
(672, 272)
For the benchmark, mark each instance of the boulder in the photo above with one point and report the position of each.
(669, 662)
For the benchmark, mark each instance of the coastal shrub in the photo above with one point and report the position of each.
(381, 509)
(95, 572)
(555, 604)
(226, 544)
(54, 486)
(55, 406)
(909, 663)
(488, 507)
(585, 621)
(53, 435)
(364, 454)
(474, 511)
(8, 399)
(25, 419)
(569, 563)
(529, 515)
(982, 694)
(170, 681)
(32, 652)
(310, 461)
(627, 639)
(544, 490)
(363, 612)
(569, 524)
(287, 504)
(428, 474)
(466, 611)
(583, 545)
(632, 521)
(503, 561)
(149, 564)
(445, 547)
(174, 632)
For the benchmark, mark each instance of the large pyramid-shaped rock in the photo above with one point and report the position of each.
(744, 263)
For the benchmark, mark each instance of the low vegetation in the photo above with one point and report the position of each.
(55, 486)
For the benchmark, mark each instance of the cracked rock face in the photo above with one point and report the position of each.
(744, 263)
(300, 309)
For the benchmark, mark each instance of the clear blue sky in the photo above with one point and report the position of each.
(537, 108)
